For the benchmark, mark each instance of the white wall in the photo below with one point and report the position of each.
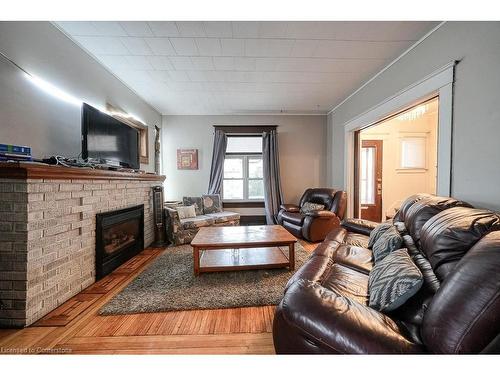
(476, 113)
(31, 117)
(302, 144)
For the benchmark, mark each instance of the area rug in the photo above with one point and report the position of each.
(169, 284)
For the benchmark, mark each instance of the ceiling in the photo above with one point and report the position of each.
(244, 67)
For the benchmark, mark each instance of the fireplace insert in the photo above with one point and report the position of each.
(119, 236)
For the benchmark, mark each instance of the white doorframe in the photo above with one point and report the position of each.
(439, 83)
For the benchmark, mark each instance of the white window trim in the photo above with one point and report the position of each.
(245, 177)
(439, 83)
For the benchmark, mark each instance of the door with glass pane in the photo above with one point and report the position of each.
(370, 180)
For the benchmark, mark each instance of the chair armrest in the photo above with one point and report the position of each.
(321, 214)
(360, 226)
(173, 220)
(339, 324)
(290, 207)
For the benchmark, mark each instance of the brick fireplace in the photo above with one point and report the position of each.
(48, 232)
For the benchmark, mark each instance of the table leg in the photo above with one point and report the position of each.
(196, 256)
(291, 256)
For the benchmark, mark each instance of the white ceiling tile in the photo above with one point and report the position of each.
(160, 62)
(184, 46)
(268, 47)
(245, 29)
(244, 63)
(139, 62)
(164, 28)
(182, 62)
(224, 63)
(304, 48)
(136, 46)
(100, 45)
(359, 49)
(273, 29)
(160, 75)
(208, 46)
(191, 28)
(233, 47)
(178, 76)
(160, 46)
(109, 28)
(136, 28)
(202, 63)
(218, 29)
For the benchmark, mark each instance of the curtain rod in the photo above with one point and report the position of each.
(245, 128)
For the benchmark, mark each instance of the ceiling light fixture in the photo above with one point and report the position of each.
(414, 113)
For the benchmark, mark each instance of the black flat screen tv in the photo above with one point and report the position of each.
(106, 140)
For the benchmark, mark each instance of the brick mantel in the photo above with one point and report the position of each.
(47, 232)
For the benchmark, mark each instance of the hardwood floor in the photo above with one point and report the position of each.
(75, 327)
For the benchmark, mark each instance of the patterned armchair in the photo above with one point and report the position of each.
(209, 212)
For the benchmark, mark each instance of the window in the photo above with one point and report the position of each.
(413, 152)
(243, 175)
(367, 181)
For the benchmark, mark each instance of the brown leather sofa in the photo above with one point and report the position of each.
(325, 305)
(314, 226)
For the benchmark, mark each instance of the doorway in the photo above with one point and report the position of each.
(396, 157)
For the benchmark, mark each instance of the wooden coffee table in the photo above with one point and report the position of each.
(243, 248)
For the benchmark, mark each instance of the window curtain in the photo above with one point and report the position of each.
(273, 195)
(218, 155)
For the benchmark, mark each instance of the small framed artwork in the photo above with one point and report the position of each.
(187, 158)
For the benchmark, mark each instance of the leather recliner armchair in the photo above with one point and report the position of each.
(314, 226)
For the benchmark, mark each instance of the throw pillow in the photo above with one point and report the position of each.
(393, 281)
(211, 203)
(377, 232)
(186, 212)
(194, 201)
(310, 207)
(388, 241)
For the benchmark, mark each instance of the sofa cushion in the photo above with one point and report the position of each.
(197, 222)
(393, 280)
(447, 236)
(425, 208)
(407, 203)
(389, 241)
(347, 282)
(358, 258)
(356, 239)
(224, 216)
(211, 203)
(310, 207)
(194, 201)
(295, 218)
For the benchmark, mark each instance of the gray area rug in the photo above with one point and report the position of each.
(169, 284)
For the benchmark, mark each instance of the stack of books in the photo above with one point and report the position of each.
(17, 153)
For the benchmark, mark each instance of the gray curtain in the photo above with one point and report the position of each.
(218, 155)
(273, 195)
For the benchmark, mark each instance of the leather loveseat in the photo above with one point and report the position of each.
(315, 225)
(457, 248)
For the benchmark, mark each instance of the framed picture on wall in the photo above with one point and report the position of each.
(187, 158)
